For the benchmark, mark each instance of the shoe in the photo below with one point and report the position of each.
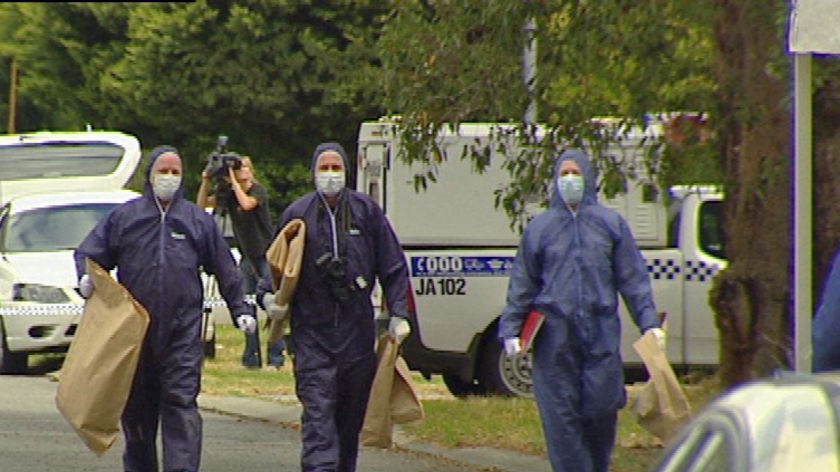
(276, 360)
(251, 361)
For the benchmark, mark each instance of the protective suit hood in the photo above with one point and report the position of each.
(153, 156)
(349, 170)
(589, 178)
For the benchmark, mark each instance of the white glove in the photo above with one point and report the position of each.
(512, 346)
(277, 312)
(268, 299)
(247, 324)
(398, 328)
(85, 286)
(659, 334)
(273, 310)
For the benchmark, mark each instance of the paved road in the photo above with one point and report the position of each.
(34, 437)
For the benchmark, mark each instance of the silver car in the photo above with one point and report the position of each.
(786, 423)
(38, 299)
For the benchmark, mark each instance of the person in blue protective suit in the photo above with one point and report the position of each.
(349, 245)
(572, 262)
(825, 331)
(159, 242)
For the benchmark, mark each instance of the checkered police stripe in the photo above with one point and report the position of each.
(699, 271)
(663, 269)
(669, 269)
(43, 309)
(65, 309)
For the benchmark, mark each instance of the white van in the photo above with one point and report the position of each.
(460, 248)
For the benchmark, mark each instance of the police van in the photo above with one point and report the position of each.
(460, 250)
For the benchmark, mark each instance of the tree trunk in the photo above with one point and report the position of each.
(751, 298)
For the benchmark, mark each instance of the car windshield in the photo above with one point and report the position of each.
(58, 159)
(52, 229)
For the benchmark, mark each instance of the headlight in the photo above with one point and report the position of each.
(38, 293)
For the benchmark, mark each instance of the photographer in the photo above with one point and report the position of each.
(236, 193)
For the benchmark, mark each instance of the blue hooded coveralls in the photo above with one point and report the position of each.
(825, 333)
(334, 341)
(158, 255)
(571, 267)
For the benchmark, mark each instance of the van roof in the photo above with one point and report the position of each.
(682, 191)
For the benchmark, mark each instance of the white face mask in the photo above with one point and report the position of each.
(165, 185)
(329, 183)
(571, 188)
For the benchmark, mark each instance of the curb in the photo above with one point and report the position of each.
(287, 414)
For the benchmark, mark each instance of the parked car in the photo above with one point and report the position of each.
(786, 423)
(38, 234)
(37, 274)
(39, 230)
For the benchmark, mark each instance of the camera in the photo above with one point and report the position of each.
(334, 274)
(220, 160)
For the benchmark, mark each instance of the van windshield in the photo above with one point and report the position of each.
(711, 235)
(58, 159)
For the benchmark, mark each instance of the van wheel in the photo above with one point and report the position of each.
(462, 389)
(11, 362)
(506, 375)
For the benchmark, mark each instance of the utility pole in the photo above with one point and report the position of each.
(529, 69)
(13, 79)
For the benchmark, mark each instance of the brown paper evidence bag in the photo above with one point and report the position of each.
(661, 406)
(393, 396)
(285, 256)
(96, 377)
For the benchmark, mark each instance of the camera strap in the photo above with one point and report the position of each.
(336, 222)
(339, 221)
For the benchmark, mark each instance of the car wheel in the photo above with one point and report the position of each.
(11, 362)
(460, 388)
(506, 375)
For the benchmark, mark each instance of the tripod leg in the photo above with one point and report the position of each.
(252, 356)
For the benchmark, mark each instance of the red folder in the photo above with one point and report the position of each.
(530, 328)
